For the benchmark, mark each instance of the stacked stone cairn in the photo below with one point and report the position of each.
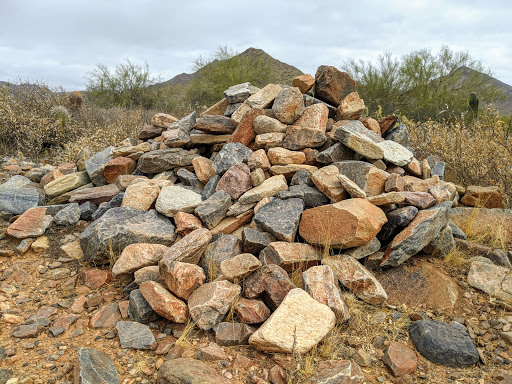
(211, 215)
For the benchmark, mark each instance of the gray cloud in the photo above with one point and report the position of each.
(60, 41)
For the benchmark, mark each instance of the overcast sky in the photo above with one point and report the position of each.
(59, 41)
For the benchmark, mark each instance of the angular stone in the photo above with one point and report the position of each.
(229, 155)
(239, 267)
(297, 138)
(289, 170)
(332, 85)
(414, 184)
(303, 82)
(258, 159)
(135, 335)
(131, 151)
(346, 224)
(488, 197)
(312, 197)
(251, 311)
(209, 303)
(257, 177)
(118, 166)
(399, 359)
(205, 139)
(394, 183)
(15, 182)
(497, 256)
(282, 156)
(357, 278)
(444, 192)
(238, 93)
(163, 302)
(395, 153)
(363, 250)
(288, 105)
(350, 108)
(388, 198)
(203, 168)
(270, 280)
(215, 124)
(399, 134)
(444, 243)
(66, 183)
(183, 370)
(141, 195)
(230, 334)
(492, 279)
(95, 165)
(174, 199)
(236, 181)
(387, 123)
(443, 344)
(96, 195)
(181, 278)
(321, 284)
(269, 140)
(314, 117)
(26, 330)
(18, 200)
(254, 241)
(175, 138)
(268, 188)
(371, 124)
(291, 256)
(336, 152)
(163, 120)
(354, 135)
(218, 108)
(139, 309)
(397, 219)
(68, 216)
(328, 182)
(95, 278)
(264, 124)
(120, 227)
(94, 367)
(244, 132)
(264, 97)
(34, 222)
(137, 256)
(337, 371)
(190, 248)
(164, 159)
(186, 223)
(209, 188)
(368, 177)
(297, 325)
(149, 131)
(350, 187)
(422, 230)
(106, 317)
(280, 218)
(224, 247)
(214, 209)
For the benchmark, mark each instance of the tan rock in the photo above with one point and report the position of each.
(203, 168)
(141, 195)
(50, 176)
(414, 167)
(66, 183)
(387, 198)
(163, 120)
(258, 159)
(215, 124)
(288, 105)
(137, 256)
(264, 97)
(163, 302)
(327, 180)
(257, 177)
(269, 140)
(299, 138)
(282, 156)
(315, 117)
(352, 188)
(488, 197)
(492, 279)
(206, 139)
(265, 124)
(181, 278)
(371, 124)
(268, 188)
(357, 278)
(351, 108)
(239, 267)
(123, 181)
(289, 170)
(33, 222)
(394, 183)
(291, 256)
(239, 114)
(304, 82)
(346, 224)
(186, 223)
(218, 108)
(41, 244)
(231, 224)
(297, 325)
(190, 248)
(131, 151)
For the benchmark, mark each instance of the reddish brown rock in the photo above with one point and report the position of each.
(78, 305)
(270, 280)
(236, 181)
(332, 85)
(141, 195)
(95, 278)
(203, 168)
(106, 317)
(394, 183)
(387, 123)
(414, 184)
(211, 352)
(163, 302)
(124, 181)
(282, 156)
(251, 311)
(371, 124)
(239, 267)
(33, 222)
(231, 333)
(186, 223)
(357, 278)
(291, 256)
(118, 166)
(278, 375)
(65, 320)
(297, 138)
(137, 256)
(421, 200)
(328, 182)
(96, 195)
(244, 132)
(315, 117)
(190, 248)
(67, 168)
(50, 176)
(399, 359)
(321, 284)
(231, 224)
(304, 82)
(346, 224)
(351, 108)
(181, 278)
(487, 197)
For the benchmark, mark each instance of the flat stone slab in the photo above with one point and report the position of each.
(135, 335)
(95, 367)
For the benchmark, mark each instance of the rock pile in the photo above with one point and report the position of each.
(212, 214)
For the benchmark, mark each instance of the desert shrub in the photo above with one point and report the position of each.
(75, 100)
(480, 152)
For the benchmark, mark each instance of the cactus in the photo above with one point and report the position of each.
(473, 104)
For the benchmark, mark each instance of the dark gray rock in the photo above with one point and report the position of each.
(439, 169)
(254, 241)
(69, 215)
(149, 132)
(187, 123)
(52, 210)
(215, 124)
(238, 93)
(116, 201)
(139, 309)
(214, 209)
(189, 178)
(95, 165)
(95, 367)
(135, 335)
(87, 209)
(302, 177)
(400, 135)
(311, 196)
(280, 218)
(221, 248)
(5, 375)
(123, 226)
(229, 155)
(18, 200)
(397, 219)
(336, 152)
(210, 187)
(231, 109)
(230, 334)
(188, 371)
(164, 159)
(443, 344)
(457, 232)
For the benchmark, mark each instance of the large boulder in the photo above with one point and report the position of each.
(173, 199)
(120, 227)
(332, 85)
(18, 200)
(165, 159)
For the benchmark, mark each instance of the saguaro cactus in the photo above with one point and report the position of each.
(473, 104)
